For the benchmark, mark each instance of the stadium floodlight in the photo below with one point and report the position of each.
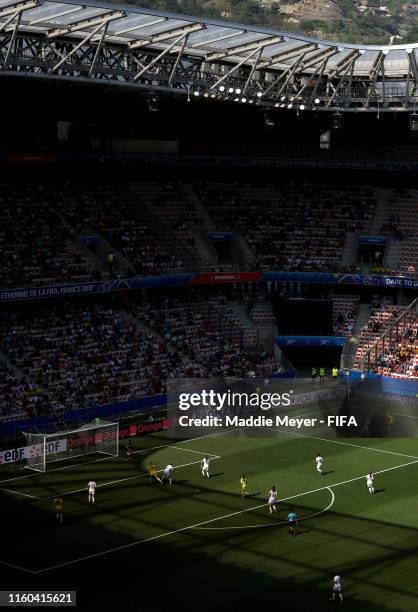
(243, 100)
(317, 101)
(302, 107)
(222, 88)
(259, 94)
(231, 90)
(290, 105)
(268, 120)
(238, 91)
(196, 93)
(236, 99)
(336, 120)
(88, 439)
(152, 103)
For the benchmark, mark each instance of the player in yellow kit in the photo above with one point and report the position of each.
(244, 485)
(58, 503)
(152, 473)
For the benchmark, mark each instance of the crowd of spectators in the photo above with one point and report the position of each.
(291, 226)
(67, 356)
(344, 312)
(113, 212)
(36, 246)
(397, 352)
(79, 356)
(157, 227)
(18, 397)
(401, 224)
(208, 334)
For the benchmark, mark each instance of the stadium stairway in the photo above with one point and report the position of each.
(263, 332)
(143, 327)
(170, 243)
(362, 319)
(392, 252)
(382, 211)
(350, 349)
(207, 254)
(350, 249)
(208, 224)
(243, 257)
(122, 266)
(381, 216)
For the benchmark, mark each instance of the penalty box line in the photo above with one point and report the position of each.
(207, 522)
(119, 480)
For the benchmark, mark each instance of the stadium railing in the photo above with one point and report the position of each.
(387, 340)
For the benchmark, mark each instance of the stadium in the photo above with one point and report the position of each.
(208, 314)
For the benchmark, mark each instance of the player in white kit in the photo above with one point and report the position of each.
(92, 491)
(205, 467)
(272, 500)
(167, 474)
(319, 461)
(337, 589)
(370, 479)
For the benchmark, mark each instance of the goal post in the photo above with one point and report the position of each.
(43, 449)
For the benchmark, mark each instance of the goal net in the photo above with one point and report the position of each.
(43, 449)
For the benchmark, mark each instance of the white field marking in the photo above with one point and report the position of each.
(23, 569)
(275, 524)
(142, 450)
(119, 480)
(370, 448)
(201, 524)
(19, 493)
(189, 450)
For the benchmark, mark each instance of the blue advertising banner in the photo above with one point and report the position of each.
(372, 239)
(384, 385)
(295, 341)
(139, 282)
(220, 236)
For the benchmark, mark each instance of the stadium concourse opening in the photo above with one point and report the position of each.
(195, 209)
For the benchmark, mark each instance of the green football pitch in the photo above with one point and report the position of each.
(199, 545)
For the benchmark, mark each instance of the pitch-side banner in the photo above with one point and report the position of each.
(138, 282)
(32, 451)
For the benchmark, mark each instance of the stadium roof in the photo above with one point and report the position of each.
(167, 52)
